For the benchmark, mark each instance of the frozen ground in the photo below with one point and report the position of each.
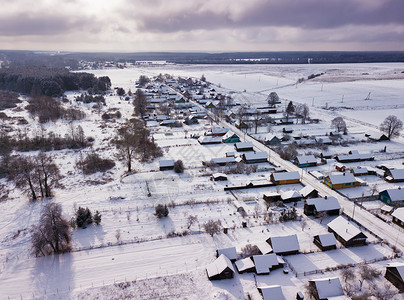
(146, 258)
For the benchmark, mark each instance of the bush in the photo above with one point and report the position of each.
(179, 166)
(94, 163)
(83, 217)
(161, 211)
(212, 227)
(97, 218)
(250, 250)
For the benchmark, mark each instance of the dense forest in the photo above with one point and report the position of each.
(54, 82)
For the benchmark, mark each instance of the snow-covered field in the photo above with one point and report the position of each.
(144, 263)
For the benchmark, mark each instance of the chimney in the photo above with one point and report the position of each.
(325, 197)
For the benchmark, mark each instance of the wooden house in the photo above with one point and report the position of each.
(392, 196)
(326, 154)
(290, 196)
(284, 245)
(264, 264)
(341, 181)
(271, 139)
(359, 171)
(326, 288)
(190, 120)
(255, 157)
(376, 136)
(223, 161)
(353, 156)
(230, 137)
(244, 146)
(386, 209)
(271, 292)
(229, 252)
(394, 175)
(328, 205)
(272, 197)
(221, 268)
(265, 248)
(245, 265)
(305, 161)
(325, 241)
(218, 131)
(395, 274)
(324, 140)
(347, 233)
(285, 177)
(206, 140)
(166, 164)
(308, 192)
(287, 129)
(398, 216)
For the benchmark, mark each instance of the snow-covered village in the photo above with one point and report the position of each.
(207, 182)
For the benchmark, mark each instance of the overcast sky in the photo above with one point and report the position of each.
(202, 25)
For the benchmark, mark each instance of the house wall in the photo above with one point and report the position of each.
(398, 222)
(393, 276)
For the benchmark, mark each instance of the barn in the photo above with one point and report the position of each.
(395, 175)
(255, 157)
(166, 164)
(244, 146)
(271, 292)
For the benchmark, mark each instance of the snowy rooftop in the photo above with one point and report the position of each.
(256, 155)
(244, 264)
(272, 292)
(264, 247)
(399, 213)
(263, 263)
(344, 229)
(399, 267)
(328, 287)
(219, 130)
(306, 159)
(397, 174)
(285, 243)
(243, 145)
(396, 194)
(286, 176)
(219, 265)
(324, 204)
(306, 190)
(229, 252)
(327, 239)
(166, 163)
(223, 160)
(342, 178)
(289, 195)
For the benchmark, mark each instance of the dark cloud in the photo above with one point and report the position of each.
(25, 24)
(308, 14)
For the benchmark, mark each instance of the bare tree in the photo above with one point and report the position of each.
(272, 99)
(52, 235)
(383, 293)
(140, 103)
(48, 174)
(392, 126)
(256, 120)
(367, 273)
(22, 172)
(348, 275)
(339, 124)
(191, 221)
(250, 250)
(212, 227)
(303, 111)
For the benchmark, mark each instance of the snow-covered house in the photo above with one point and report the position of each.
(354, 156)
(308, 192)
(326, 288)
(190, 120)
(347, 233)
(205, 140)
(221, 268)
(231, 137)
(395, 274)
(340, 181)
(218, 131)
(272, 139)
(328, 205)
(376, 136)
(398, 216)
(264, 247)
(392, 196)
(284, 245)
(222, 161)
(244, 146)
(359, 171)
(285, 177)
(396, 175)
(271, 292)
(272, 197)
(219, 177)
(245, 265)
(166, 164)
(255, 157)
(229, 252)
(325, 241)
(290, 196)
(305, 161)
(264, 264)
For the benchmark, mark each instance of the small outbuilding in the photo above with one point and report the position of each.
(230, 253)
(284, 245)
(245, 265)
(221, 268)
(308, 192)
(398, 216)
(271, 292)
(219, 177)
(264, 264)
(255, 157)
(359, 171)
(396, 175)
(271, 139)
(290, 196)
(166, 164)
(347, 233)
(325, 241)
(244, 146)
(223, 161)
(272, 197)
(305, 161)
(205, 140)
(264, 248)
(395, 274)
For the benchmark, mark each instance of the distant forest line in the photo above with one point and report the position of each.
(72, 59)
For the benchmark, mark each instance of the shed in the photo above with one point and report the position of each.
(191, 120)
(398, 216)
(272, 197)
(340, 181)
(205, 140)
(326, 288)
(325, 140)
(325, 241)
(166, 164)
(219, 177)
(392, 196)
(222, 161)
(359, 171)
(271, 292)
(305, 161)
(340, 167)
(308, 192)
(386, 209)
(376, 136)
(230, 253)
(284, 245)
(317, 174)
(285, 177)
(347, 233)
(395, 274)
(221, 268)
(167, 123)
(244, 146)
(290, 196)
(264, 264)
(255, 157)
(329, 205)
(245, 265)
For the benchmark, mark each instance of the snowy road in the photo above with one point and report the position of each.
(59, 276)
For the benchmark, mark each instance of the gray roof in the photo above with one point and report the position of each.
(229, 252)
(244, 145)
(397, 174)
(399, 213)
(286, 176)
(344, 229)
(327, 239)
(256, 155)
(328, 287)
(323, 204)
(166, 163)
(396, 194)
(244, 264)
(263, 263)
(272, 292)
(306, 159)
(285, 243)
(399, 267)
(223, 160)
(306, 190)
(342, 178)
(219, 265)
